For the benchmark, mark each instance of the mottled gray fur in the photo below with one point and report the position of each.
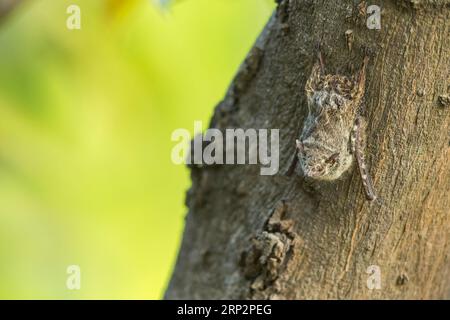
(332, 132)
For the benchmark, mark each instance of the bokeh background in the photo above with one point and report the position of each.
(85, 123)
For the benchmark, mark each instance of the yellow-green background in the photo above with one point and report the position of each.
(85, 123)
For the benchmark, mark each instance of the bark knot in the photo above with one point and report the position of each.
(269, 253)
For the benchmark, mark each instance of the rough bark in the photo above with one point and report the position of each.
(276, 237)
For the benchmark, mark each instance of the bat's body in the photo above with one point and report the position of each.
(331, 134)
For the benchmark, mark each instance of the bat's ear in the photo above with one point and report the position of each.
(359, 80)
(317, 72)
(314, 79)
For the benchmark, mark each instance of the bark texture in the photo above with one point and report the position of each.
(275, 237)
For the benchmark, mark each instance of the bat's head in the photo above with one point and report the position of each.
(318, 163)
(322, 162)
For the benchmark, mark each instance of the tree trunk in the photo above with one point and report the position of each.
(249, 236)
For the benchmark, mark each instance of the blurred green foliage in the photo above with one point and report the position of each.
(85, 123)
